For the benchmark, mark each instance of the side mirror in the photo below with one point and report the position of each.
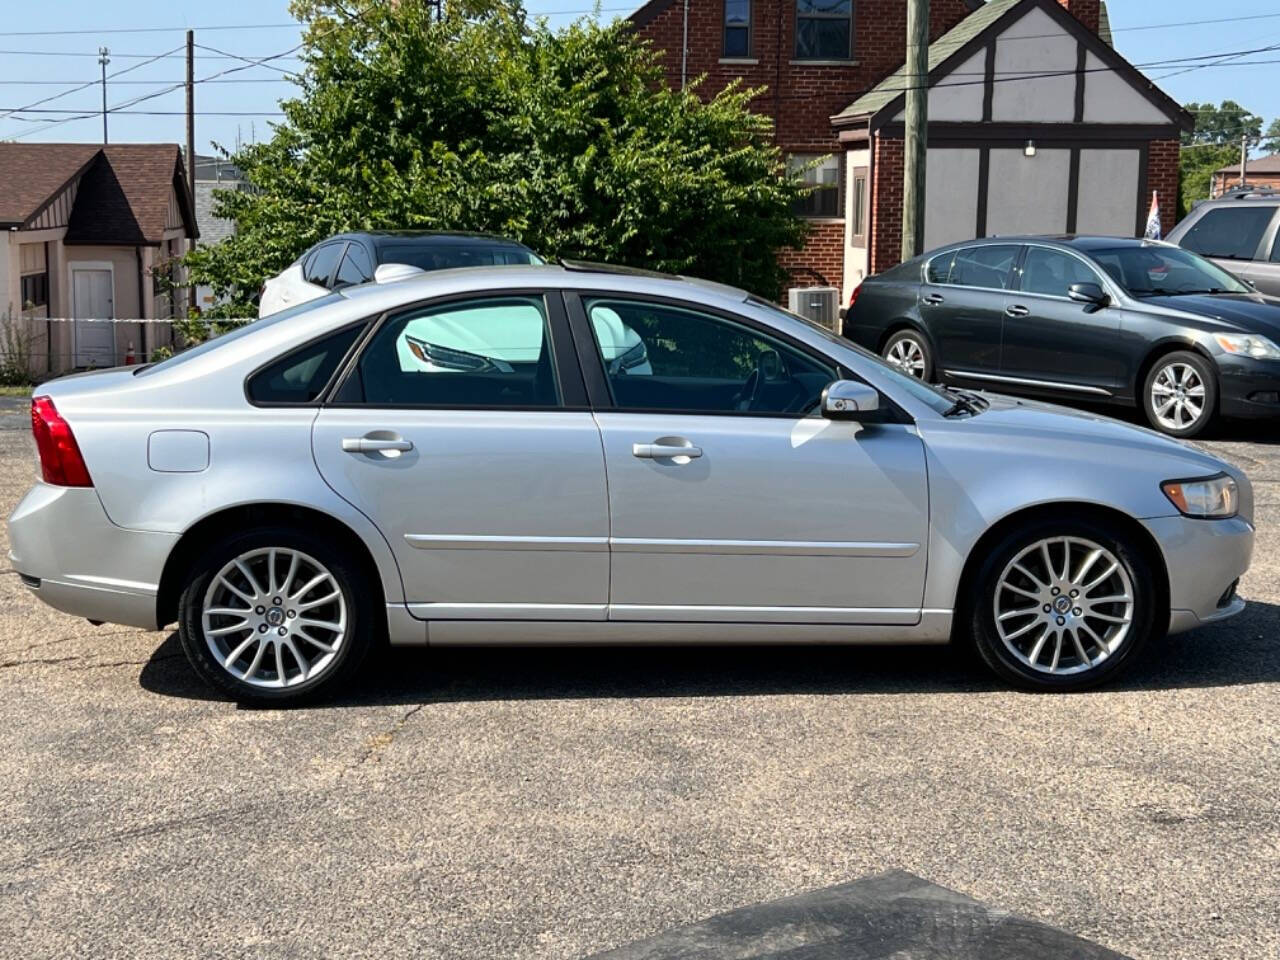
(848, 400)
(1088, 293)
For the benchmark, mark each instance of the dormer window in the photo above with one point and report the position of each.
(737, 28)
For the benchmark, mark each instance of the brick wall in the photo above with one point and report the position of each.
(886, 207)
(1162, 175)
(1088, 12)
(801, 98)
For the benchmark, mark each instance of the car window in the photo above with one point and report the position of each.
(1159, 269)
(444, 256)
(319, 268)
(494, 352)
(1052, 272)
(355, 267)
(660, 357)
(301, 376)
(939, 268)
(989, 266)
(1231, 233)
(1275, 250)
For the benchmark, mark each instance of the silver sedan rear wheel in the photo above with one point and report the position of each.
(1063, 605)
(274, 618)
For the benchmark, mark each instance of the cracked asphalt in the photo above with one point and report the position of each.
(551, 804)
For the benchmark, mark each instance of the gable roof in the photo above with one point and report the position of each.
(124, 192)
(970, 34)
(1258, 165)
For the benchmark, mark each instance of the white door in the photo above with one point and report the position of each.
(93, 302)
(730, 502)
(452, 434)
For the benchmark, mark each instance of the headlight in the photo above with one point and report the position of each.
(1210, 497)
(1248, 345)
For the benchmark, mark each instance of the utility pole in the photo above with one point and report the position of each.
(1244, 159)
(917, 127)
(191, 143)
(104, 60)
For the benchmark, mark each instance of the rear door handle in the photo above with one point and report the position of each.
(935, 298)
(1017, 310)
(665, 451)
(373, 445)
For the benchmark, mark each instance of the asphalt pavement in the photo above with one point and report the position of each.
(555, 804)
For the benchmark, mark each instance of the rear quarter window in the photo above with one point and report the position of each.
(301, 375)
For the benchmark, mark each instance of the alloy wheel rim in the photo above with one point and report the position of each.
(274, 617)
(1064, 605)
(908, 356)
(1178, 396)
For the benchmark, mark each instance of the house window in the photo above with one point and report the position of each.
(823, 201)
(737, 28)
(824, 29)
(34, 272)
(859, 203)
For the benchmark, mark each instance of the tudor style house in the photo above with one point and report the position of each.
(1036, 124)
(88, 232)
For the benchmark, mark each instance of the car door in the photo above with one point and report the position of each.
(1053, 341)
(462, 431)
(730, 501)
(962, 303)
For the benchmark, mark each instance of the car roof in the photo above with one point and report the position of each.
(391, 238)
(1078, 241)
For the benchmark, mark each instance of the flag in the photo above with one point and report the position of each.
(1153, 218)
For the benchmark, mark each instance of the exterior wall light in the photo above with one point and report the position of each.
(1030, 149)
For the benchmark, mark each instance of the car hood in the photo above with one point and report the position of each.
(1247, 312)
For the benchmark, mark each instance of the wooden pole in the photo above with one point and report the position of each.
(917, 124)
(191, 146)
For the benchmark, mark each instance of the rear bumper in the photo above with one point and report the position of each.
(1248, 388)
(1204, 558)
(75, 559)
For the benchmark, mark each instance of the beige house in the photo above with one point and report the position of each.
(86, 234)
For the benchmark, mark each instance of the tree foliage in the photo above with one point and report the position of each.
(1225, 123)
(567, 140)
(1195, 170)
(1271, 141)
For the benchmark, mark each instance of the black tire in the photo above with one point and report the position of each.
(349, 646)
(1145, 622)
(1208, 380)
(909, 341)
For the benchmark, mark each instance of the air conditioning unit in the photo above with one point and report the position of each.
(819, 304)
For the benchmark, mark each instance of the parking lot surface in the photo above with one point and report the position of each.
(553, 804)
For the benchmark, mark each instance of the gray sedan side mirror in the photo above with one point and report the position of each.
(848, 399)
(1088, 293)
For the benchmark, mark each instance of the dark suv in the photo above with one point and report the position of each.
(1119, 320)
(1239, 231)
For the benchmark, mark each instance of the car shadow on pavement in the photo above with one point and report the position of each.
(1244, 650)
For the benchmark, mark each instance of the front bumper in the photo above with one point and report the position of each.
(1248, 387)
(1204, 559)
(75, 559)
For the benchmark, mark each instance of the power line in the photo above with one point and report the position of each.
(221, 26)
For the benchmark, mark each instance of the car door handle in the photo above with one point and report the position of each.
(1017, 310)
(375, 445)
(665, 451)
(934, 299)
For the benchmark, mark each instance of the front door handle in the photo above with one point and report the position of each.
(375, 445)
(668, 450)
(934, 299)
(1017, 310)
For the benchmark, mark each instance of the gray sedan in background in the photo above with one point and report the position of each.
(469, 457)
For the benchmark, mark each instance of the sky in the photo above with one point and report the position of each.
(33, 67)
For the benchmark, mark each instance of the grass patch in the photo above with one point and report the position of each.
(16, 391)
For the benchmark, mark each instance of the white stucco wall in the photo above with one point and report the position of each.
(1028, 194)
(1033, 45)
(1108, 98)
(1108, 185)
(951, 195)
(8, 274)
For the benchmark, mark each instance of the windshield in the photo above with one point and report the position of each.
(1161, 271)
(178, 359)
(441, 256)
(936, 398)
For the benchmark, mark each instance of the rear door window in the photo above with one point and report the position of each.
(355, 267)
(989, 266)
(1229, 233)
(319, 268)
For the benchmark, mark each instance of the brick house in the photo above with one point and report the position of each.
(86, 228)
(1036, 123)
(1262, 173)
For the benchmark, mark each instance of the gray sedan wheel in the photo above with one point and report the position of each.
(1180, 394)
(909, 351)
(1063, 604)
(274, 616)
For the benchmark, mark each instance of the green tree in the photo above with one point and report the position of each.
(1196, 164)
(1271, 140)
(567, 140)
(1225, 123)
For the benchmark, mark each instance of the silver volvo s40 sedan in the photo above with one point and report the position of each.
(586, 455)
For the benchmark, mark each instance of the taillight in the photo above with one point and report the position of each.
(60, 459)
(853, 297)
